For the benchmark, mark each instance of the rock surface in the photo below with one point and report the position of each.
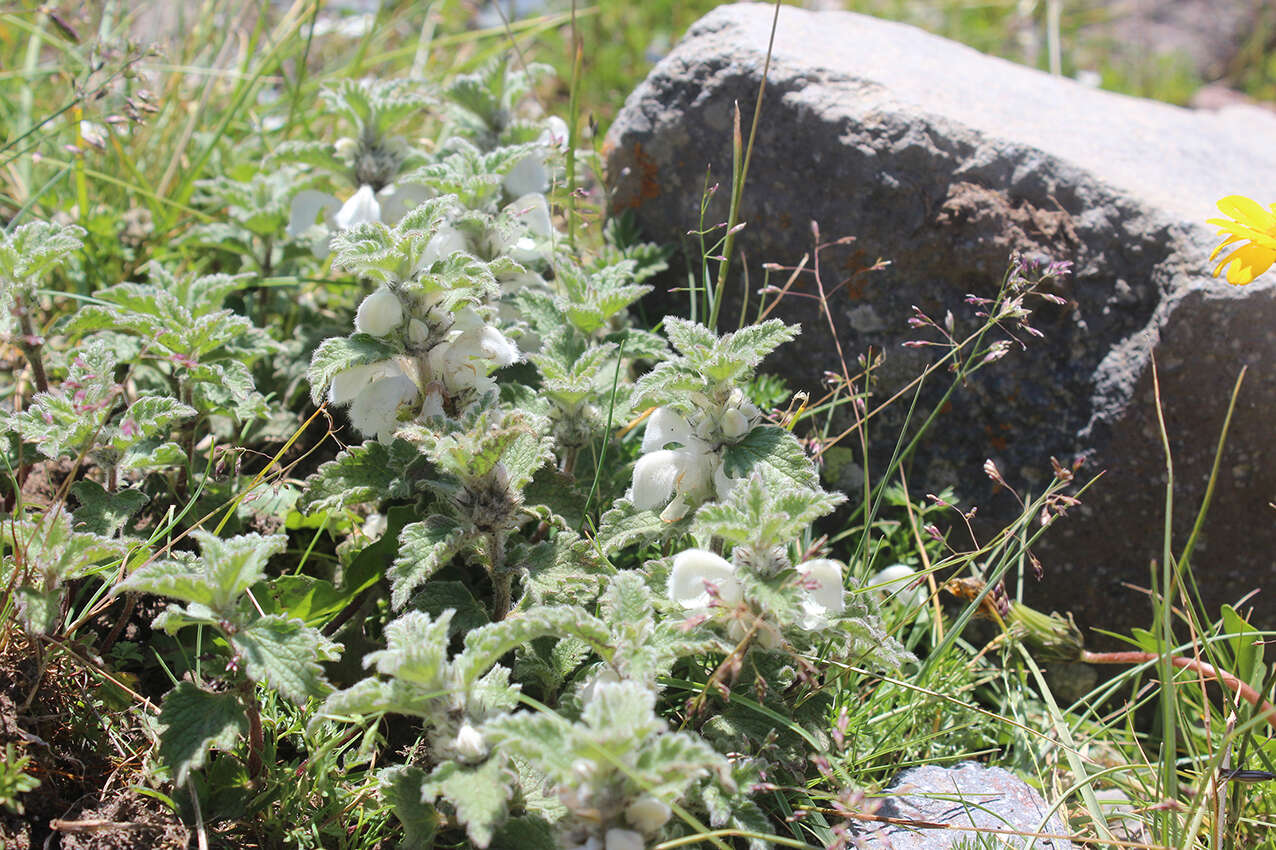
(968, 796)
(943, 160)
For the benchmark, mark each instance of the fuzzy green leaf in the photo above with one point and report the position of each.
(424, 548)
(38, 610)
(401, 786)
(101, 512)
(217, 579)
(480, 795)
(192, 721)
(374, 696)
(485, 646)
(624, 525)
(285, 654)
(762, 516)
(688, 337)
(772, 451)
(369, 472)
(30, 250)
(527, 832)
(416, 650)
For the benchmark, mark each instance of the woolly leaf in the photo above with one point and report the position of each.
(216, 579)
(192, 721)
(424, 548)
(39, 610)
(480, 795)
(369, 472)
(688, 337)
(416, 650)
(762, 516)
(285, 654)
(772, 451)
(624, 525)
(104, 513)
(30, 250)
(317, 153)
(401, 786)
(485, 646)
(373, 696)
(527, 832)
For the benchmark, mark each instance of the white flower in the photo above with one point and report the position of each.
(734, 424)
(469, 743)
(529, 176)
(397, 200)
(672, 478)
(375, 525)
(625, 839)
(346, 147)
(648, 813)
(694, 571)
(445, 242)
(606, 675)
(465, 361)
(555, 133)
(682, 474)
(822, 592)
(379, 313)
(432, 405)
(374, 410)
(895, 581)
(307, 206)
(361, 208)
(532, 211)
(348, 383)
(592, 843)
(418, 331)
(665, 426)
(318, 214)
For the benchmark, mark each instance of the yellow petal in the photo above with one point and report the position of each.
(1231, 240)
(1249, 211)
(1246, 263)
(1227, 226)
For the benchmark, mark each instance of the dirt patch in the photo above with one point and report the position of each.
(127, 821)
(86, 747)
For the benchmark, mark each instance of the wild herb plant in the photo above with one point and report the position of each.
(549, 578)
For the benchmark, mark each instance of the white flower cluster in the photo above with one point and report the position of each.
(705, 584)
(365, 206)
(677, 479)
(385, 393)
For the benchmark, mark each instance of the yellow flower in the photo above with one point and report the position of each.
(1252, 224)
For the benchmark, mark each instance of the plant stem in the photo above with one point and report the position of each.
(502, 579)
(1206, 671)
(31, 344)
(256, 741)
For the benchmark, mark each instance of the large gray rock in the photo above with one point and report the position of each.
(943, 160)
(974, 799)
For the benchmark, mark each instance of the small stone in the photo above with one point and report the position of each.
(969, 796)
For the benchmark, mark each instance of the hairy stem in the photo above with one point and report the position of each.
(31, 343)
(256, 742)
(502, 579)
